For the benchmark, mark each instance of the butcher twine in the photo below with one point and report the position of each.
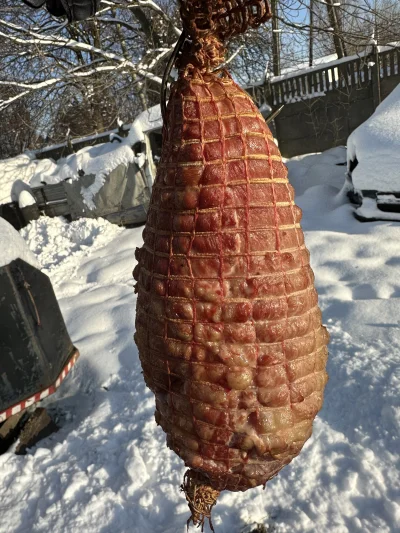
(209, 23)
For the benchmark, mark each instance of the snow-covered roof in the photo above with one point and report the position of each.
(376, 145)
(13, 246)
(93, 139)
(294, 70)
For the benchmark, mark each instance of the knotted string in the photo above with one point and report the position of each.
(209, 23)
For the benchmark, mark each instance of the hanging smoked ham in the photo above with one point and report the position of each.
(228, 326)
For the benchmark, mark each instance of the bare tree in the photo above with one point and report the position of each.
(104, 68)
(310, 29)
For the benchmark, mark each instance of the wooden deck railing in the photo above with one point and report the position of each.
(345, 74)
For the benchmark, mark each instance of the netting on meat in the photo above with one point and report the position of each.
(223, 18)
(210, 23)
(228, 327)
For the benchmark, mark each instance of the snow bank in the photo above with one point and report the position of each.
(13, 246)
(376, 145)
(308, 170)
(60, 246)
(108, 468)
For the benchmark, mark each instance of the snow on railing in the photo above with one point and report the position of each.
(340, 74)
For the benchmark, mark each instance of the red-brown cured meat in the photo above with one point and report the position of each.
(228, 326)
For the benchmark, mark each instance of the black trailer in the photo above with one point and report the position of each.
(36, 352)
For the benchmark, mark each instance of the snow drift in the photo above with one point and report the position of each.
(13, 246)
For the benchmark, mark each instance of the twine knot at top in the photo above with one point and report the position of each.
(209, 23)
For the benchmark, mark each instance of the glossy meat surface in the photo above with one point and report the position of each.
(228, 326)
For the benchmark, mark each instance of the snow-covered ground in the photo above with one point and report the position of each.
(108, 469)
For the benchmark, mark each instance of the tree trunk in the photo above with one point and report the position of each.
(334, 22)
(276, 39)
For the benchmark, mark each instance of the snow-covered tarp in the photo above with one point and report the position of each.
(99, 160)
(108, 469)
(376, 146)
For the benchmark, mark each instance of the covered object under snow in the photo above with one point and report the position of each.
(373, 149)
(36, 351)
(373, 157)
(122, 199)
(112, 179)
